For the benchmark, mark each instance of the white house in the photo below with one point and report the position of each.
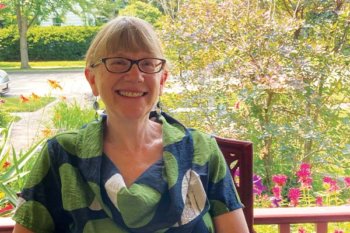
(70, 19)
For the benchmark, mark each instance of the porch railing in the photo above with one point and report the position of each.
(6, 225)
(283, 217)
(320, 216)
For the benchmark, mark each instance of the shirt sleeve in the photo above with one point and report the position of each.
(222, 193)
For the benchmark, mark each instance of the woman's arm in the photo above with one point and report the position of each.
(20, 229)
(231, 222)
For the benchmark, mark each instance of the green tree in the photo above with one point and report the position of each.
(104, 10)
(29, 13)
(169, 7)
(6, 17)
(142, 10)
(275, 73)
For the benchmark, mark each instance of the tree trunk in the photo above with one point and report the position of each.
(22, 30)
(266, 152)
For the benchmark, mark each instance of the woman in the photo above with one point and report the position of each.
(135, 170)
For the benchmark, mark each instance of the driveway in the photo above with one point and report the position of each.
(74, 87)
(73, 83)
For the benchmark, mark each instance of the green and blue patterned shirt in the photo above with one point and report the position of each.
(74, 187)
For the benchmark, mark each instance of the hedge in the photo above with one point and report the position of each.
(48, 43)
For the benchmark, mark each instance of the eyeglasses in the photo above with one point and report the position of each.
(123, 65)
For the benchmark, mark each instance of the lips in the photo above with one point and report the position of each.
(131, 94)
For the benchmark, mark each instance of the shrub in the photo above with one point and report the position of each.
(9, 44)
(47, 43)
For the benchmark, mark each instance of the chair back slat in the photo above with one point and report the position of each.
(239, 157)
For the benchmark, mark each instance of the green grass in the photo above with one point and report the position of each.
(37, 65)
(14, 104)
(71, 116)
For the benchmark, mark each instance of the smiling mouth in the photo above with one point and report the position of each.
(131, 94)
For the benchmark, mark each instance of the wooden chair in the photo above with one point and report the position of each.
(239, 154)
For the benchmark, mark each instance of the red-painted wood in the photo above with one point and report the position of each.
(6, 224)
(239, 154)
(321, 216)
(284, 228)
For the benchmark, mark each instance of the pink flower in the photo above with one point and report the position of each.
(236, 173)
(319, 201)
(304, 175)
(306, 183)
(2, 6)
(301, 230)
(327, 179)
(347, 181)
(304, 169)
(305, 166)
(338, 231)
(294, 194)
(330, 184)
(280, 179)
(237, 105)
(277, 192)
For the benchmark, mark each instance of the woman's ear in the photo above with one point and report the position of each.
(163, 79)
(91, 78)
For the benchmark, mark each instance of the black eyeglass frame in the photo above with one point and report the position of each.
(132, 62)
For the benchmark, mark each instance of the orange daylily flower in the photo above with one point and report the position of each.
(35, 96)
(23, 99)
(6, 208)
(46, 132)
(6, 164)
(54, 84)
(63, 98)
(57, 116)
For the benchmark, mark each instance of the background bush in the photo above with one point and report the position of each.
(47, 43)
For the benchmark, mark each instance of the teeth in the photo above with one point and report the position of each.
(130, 94)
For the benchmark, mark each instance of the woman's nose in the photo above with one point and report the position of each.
(134, 74)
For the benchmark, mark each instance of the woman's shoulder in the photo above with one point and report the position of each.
(74, 140)
(202, 138)
(205, 147)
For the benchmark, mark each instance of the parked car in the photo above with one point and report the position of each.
(4, 82)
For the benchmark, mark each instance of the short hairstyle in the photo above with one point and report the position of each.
(125, 34)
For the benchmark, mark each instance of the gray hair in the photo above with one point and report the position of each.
(124, 34)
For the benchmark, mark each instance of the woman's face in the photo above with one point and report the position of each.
(130, 95)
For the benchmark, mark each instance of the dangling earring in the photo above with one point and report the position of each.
(96, 107)
(159, 109)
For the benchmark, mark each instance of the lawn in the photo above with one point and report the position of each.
(18, 104)
(35, 65)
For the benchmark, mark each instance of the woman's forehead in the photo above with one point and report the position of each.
(131, 54)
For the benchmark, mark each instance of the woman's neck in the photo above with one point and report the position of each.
(132, 135)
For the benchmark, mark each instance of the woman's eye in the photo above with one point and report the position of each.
(119, 62)
(148, 63)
